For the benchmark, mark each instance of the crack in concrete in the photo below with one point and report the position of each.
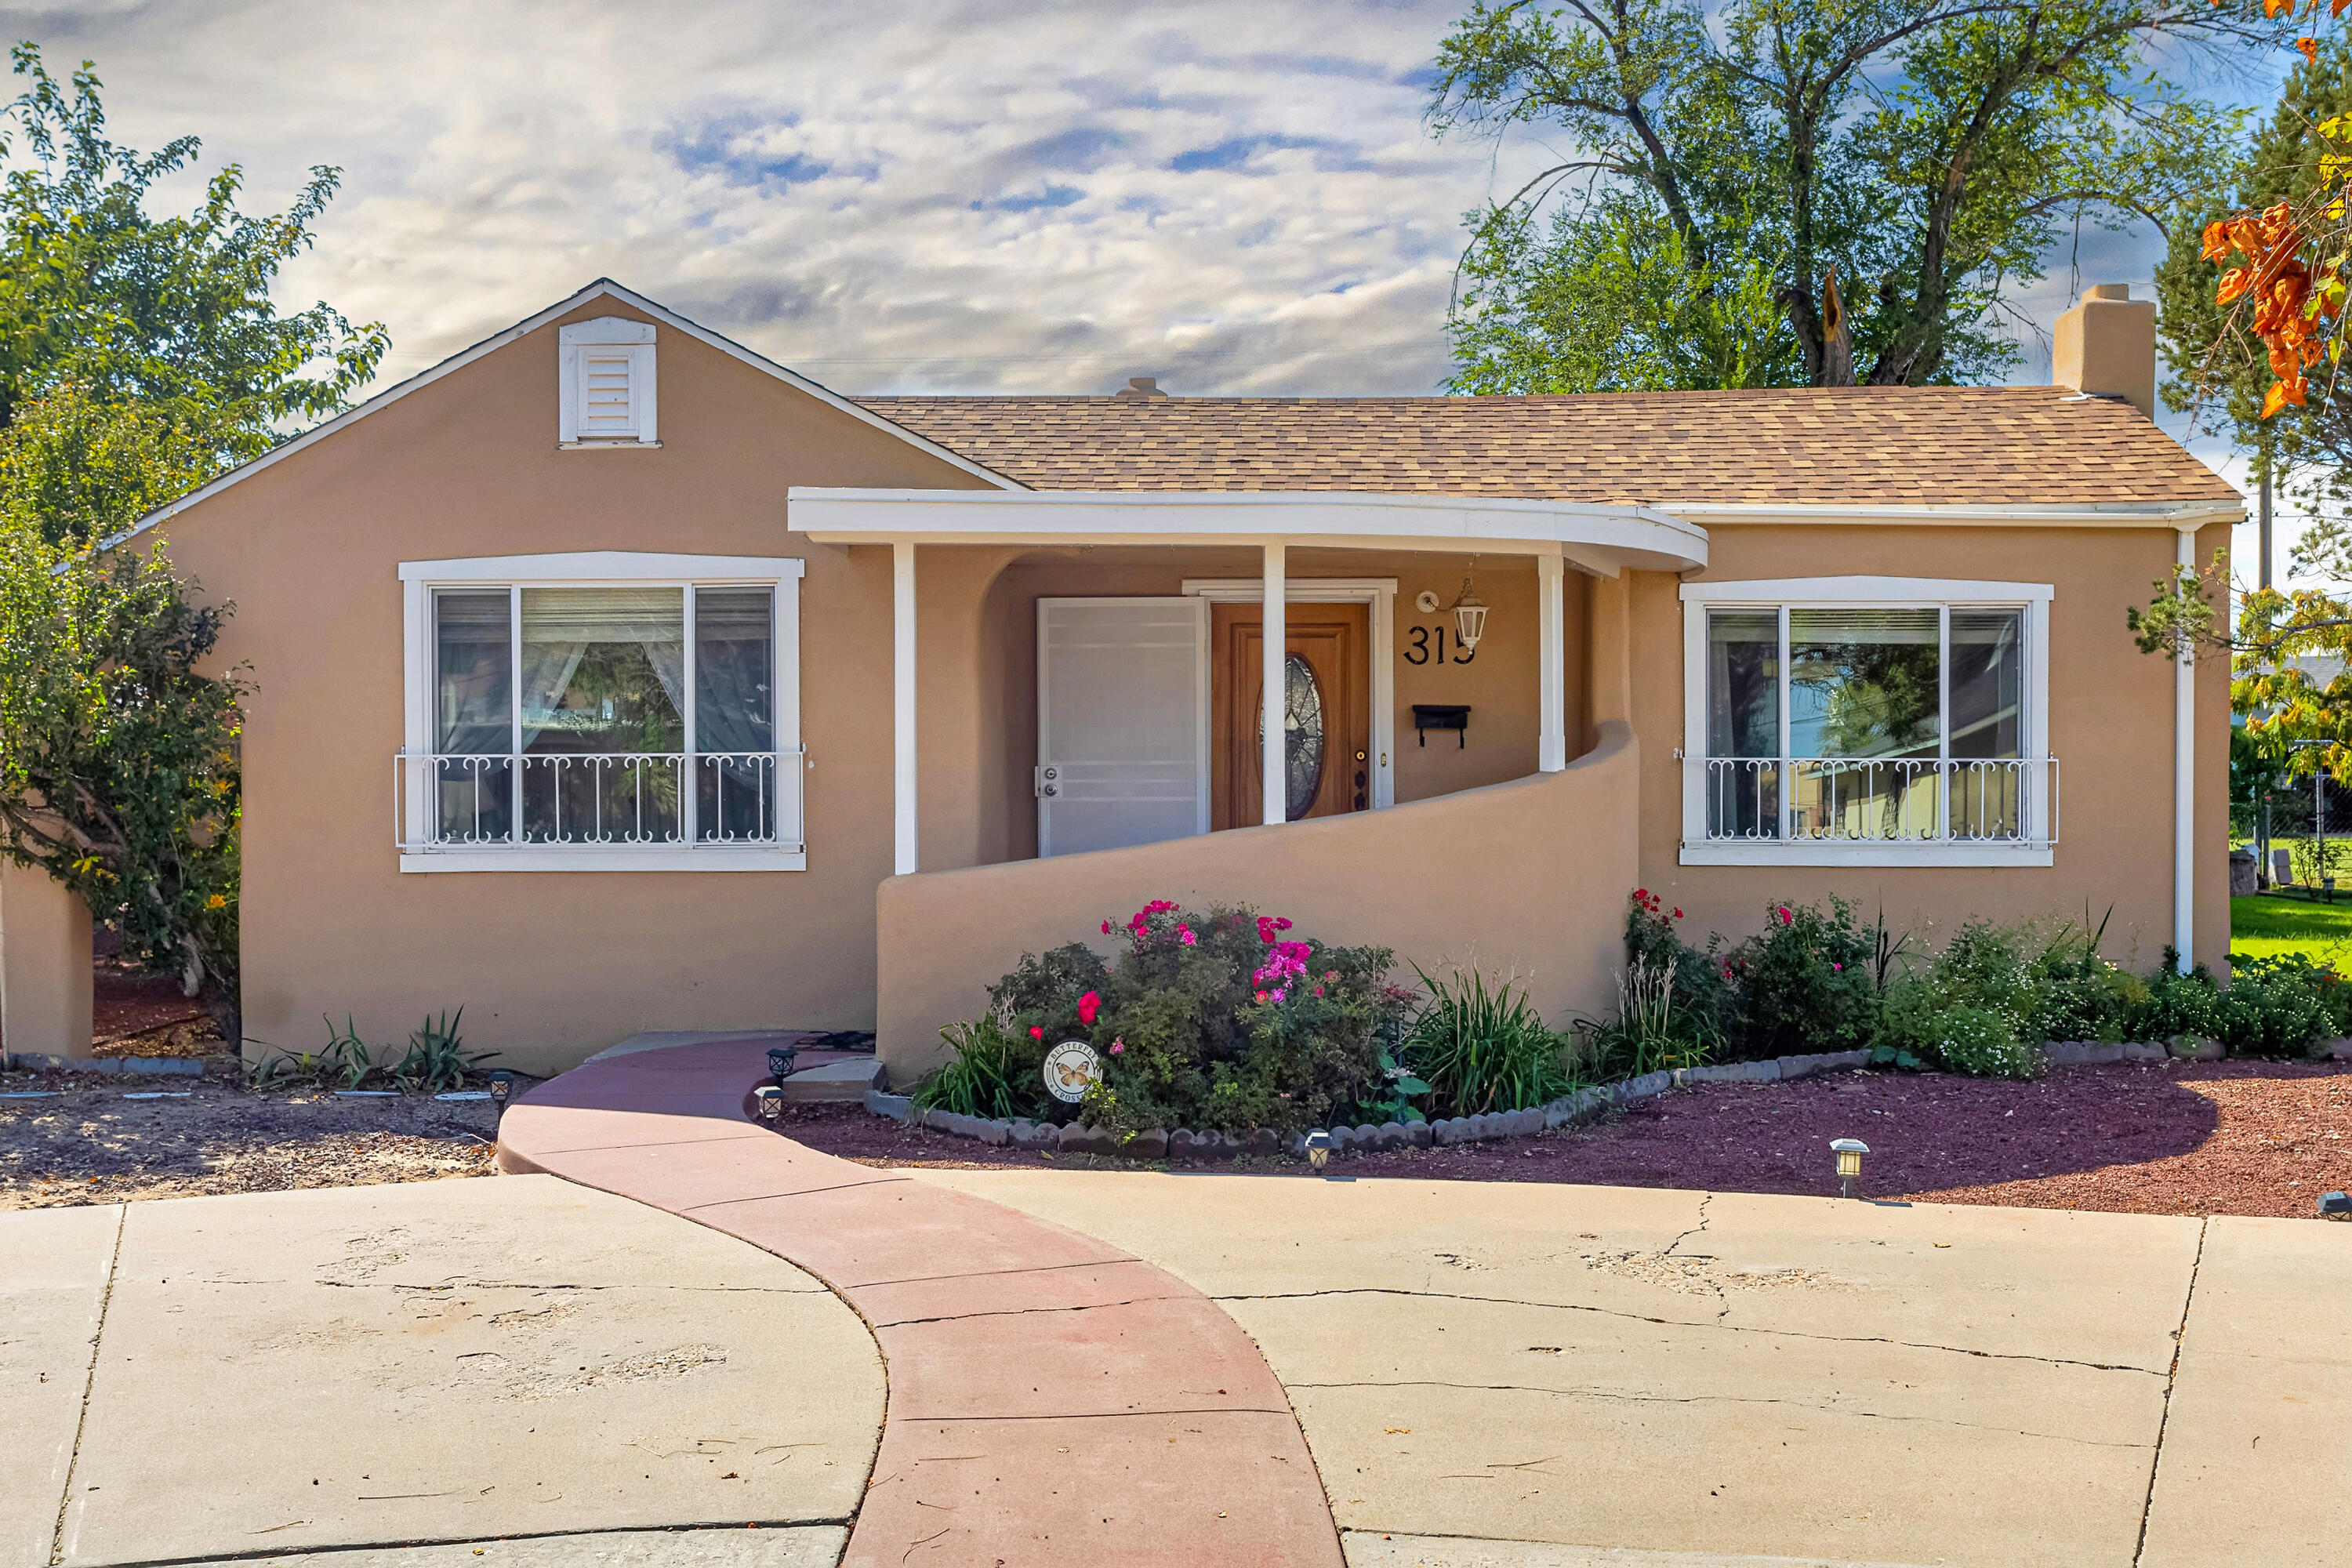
(1177, 1295)
(1722, 1300)
(394, 1285)
(1718, 1399)
(89, 1385)
(2172, 1377)
(1688, 1323)
(841, 1521)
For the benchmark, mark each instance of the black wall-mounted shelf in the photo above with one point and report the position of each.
(1453, 716)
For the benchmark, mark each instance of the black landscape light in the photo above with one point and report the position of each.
(779, 1062)
(1318, 1150)
(2335, 1206)
(501, 1088)
(1849, 1152)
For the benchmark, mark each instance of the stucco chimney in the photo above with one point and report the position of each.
(2106, 346)
(1140, 387)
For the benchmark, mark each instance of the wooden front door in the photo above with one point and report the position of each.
(1329, 710)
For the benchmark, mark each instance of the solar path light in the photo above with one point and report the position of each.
(772, 1104)
(1849, 1152)
(1318, 1150)
(501, 1089)
(779, 1062)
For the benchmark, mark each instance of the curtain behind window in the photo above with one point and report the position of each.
(604, 670)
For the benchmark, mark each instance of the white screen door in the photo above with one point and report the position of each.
(1122, 723)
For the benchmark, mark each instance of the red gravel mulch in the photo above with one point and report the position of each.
(2183, 1138)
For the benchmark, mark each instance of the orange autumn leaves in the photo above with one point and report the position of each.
(2290, 304)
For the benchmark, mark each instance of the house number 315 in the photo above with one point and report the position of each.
(1417, 650)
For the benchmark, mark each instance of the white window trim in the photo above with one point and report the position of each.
(1380, 592)
(1890, 593)
(595, 568)
(603, 332)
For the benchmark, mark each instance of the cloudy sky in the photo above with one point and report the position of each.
(1235, 195)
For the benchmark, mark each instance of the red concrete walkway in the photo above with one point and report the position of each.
(1052, 1399)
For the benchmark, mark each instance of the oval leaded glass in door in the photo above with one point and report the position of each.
(1302, 724)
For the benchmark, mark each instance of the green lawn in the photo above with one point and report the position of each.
(2269, 923)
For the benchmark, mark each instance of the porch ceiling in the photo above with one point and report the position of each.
(1603, 538)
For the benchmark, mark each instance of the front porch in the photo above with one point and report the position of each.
(1081, 680)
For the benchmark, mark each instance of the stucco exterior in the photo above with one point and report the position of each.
(1483, 861)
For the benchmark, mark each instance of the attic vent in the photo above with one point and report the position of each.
(1139, 388)
(606, 396)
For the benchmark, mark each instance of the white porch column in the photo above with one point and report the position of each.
(902, 671)
(1551, 686)
(2184, 781)
(1275, 753)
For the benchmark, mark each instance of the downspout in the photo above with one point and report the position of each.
(2184, 792)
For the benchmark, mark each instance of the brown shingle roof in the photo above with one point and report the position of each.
(2017, 446)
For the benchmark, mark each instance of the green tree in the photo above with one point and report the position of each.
(1900, 167)
(118, 754)
(173, 313)
(139, 357)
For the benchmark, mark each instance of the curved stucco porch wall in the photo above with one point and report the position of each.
(1526, 879)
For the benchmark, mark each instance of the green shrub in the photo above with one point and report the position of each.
(1656, 1029)
(2077, 993)
(2179, 1005)
(1219, 1021)
(2278, 1007)
(1970, 1009)
(1483, 1048)
(1807, 983)
(437, 1059)
(1983, 1042)
(988, 1075)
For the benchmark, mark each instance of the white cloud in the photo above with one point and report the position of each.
(927, 195)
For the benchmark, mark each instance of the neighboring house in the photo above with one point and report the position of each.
(609, 677)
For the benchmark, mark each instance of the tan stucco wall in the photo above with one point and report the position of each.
(46, 959)
(549, 966)
(2110, 727)
(1486, 877)
(1498, 682)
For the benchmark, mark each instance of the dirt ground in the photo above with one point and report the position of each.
(2223, 1138)
(98, 1139)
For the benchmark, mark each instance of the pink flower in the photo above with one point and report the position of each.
(1117, 1045)
(1184, 934)
(1035, 1033)
(1088, 1005)
(1837, 968)
(1331, 975)
(1261, 996)
(1106, 928)
(1786, 918)
(1642, 894)
(1678, 914)
(1319, 991)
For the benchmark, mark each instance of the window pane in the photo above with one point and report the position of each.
(604, 670)
(604, 699)
(473, 716)
(474, 659)
(1864, 683)
(1988, 683)
(1743, 672)
(1743, 720)
(734, 713)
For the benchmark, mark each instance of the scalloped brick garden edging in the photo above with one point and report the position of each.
(1582, 1106)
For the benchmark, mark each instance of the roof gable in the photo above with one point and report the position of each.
(603, 288)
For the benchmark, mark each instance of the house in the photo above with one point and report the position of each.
(610, 676)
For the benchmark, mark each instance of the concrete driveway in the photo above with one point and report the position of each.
(443, 1362)
(1517, 1374)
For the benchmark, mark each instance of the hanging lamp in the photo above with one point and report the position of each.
(1469, 611)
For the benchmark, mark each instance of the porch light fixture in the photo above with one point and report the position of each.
(779, 1062)
(1318, 1150)
(771, 1101)
(1849, 1152)
(1469, 611)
